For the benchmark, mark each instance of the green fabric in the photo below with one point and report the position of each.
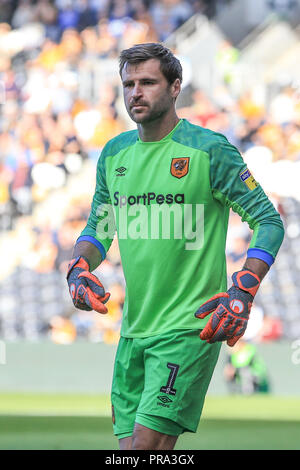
(248, 357)
(168, 278)
(164, 376)
(243, 357)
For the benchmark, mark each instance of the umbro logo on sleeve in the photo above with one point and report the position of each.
(120, 171)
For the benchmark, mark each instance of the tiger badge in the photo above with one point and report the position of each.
(180, 166)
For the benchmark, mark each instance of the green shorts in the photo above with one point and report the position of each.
(161, 382)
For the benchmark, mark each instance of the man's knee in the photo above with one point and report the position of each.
(147, 439)
(125, 443)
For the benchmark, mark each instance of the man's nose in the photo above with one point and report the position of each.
(136, 91)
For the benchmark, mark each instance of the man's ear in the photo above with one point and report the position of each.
(175, 88)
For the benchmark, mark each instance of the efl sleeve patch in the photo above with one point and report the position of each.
(248, 179)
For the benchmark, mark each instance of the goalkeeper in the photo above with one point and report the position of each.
(166, 189)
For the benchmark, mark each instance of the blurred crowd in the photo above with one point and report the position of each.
(59, 104)
(163, 17)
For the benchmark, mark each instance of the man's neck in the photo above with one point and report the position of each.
(158, 129)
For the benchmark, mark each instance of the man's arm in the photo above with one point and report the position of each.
(233, 185)
(90, 252)
(85, 288)
(257, 266)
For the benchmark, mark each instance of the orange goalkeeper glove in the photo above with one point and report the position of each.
(231, 309)
(86, 290)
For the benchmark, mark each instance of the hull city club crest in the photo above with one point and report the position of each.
(180, 166)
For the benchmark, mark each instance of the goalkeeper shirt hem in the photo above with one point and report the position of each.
(161, 332)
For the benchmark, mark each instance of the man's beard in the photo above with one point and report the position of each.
(152, 116)
(155, 113)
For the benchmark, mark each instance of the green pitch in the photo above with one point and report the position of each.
(33, 421)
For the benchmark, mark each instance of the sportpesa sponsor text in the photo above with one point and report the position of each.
(147, 198)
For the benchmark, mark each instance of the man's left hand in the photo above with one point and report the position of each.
(231, 309)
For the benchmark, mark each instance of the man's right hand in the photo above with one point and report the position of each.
(86, 290)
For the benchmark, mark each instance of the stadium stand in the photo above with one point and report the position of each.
(60, 102)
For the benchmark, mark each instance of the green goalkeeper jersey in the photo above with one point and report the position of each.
(169, 203)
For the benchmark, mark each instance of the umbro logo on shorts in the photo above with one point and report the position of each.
(164, 401)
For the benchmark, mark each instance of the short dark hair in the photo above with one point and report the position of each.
(169, 64)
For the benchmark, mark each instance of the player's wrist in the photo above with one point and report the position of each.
(80, 262)
(247, 281)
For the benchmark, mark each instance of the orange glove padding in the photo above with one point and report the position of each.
(86, 290)
(230, 310)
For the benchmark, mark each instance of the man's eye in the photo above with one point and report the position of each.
(130, 85)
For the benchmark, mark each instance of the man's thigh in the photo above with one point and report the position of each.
(127, 387)
(160, 382)
(178, 370)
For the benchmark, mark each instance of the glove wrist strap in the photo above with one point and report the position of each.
(79, 262)
(247, 281)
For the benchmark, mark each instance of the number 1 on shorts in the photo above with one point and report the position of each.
(171, 379)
